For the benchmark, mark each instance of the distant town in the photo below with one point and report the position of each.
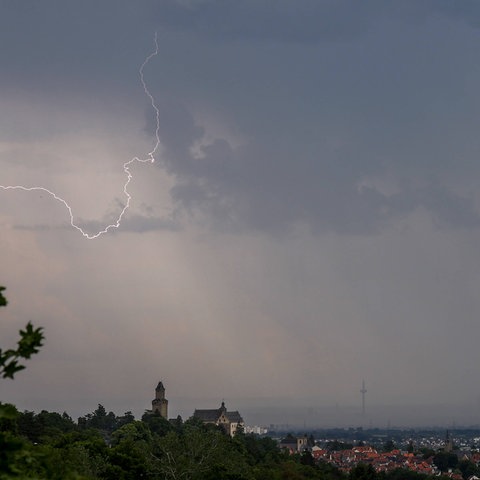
(434, 451)
(216, 443)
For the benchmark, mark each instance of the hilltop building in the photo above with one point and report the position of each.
(230, 421)
(160, 403)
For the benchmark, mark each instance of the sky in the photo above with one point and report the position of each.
(311, 220)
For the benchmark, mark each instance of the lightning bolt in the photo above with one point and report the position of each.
(150, 158)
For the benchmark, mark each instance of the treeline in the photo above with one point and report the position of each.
(102, 445)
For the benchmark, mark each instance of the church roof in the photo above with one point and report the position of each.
(207, 415)
(213, 415)
(234, 417)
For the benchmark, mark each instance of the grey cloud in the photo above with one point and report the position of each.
(304, 21)
(317, 121)
(133, 222)
(71, 46)
(130, 223)
(141, 224)
(448, 209)
(261, 188)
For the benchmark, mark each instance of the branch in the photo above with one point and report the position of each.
(31, 339)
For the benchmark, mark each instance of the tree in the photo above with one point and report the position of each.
(336, 445)
(404, 474)
(445, 460)
(31, 339)
(362, 472)
(125, 419)
(157, 424)
(133, 432)
(307, 458)
(130, 455)
(389, 446)
(468, 468)
(13, 450)
(101, 420)
(198, 454)
(259, 450)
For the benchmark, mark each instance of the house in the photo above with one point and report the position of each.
(294, 444)
(230, 421)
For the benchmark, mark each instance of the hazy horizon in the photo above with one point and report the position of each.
(293, 413)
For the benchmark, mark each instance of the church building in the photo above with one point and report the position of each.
(220, 416)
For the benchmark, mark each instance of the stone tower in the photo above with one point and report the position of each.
(160, 403)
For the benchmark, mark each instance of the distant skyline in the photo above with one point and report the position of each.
(312, 217)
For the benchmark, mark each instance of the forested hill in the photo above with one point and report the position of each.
(101, 445)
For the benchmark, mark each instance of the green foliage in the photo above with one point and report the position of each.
(159, 425)
(31, 339)
(335, 445)
(445, 460)
(3, 300)
(389, 446)
(100, 420)
(134, 432)
(404, 474)
(8, 416)
(125, 419)
(13, 450)
(197, 454)
(327, 470)
(38, 428)
(427, 452)
(261, 449)
(362, 472)
(307, 459)
(468, 468)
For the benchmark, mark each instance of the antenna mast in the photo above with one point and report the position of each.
(363, 391)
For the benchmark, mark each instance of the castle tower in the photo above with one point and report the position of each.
(160, 403)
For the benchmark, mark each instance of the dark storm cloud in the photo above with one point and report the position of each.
(325, 93)
(397, 99)
(71, 46)
(263, 188)
(303, 21)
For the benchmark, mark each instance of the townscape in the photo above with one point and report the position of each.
(216, 443)
(429, 455)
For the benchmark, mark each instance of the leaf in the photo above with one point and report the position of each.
(3, 300)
